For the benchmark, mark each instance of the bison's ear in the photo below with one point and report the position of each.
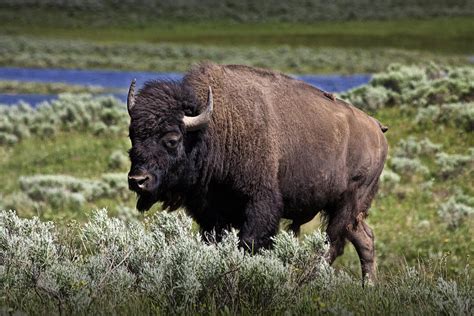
(194, 123)
(131, 96)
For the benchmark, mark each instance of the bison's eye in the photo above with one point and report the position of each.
(171, 141)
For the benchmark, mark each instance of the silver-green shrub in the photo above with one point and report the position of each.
(16, 87)
(107, 263)
(118, 160)
(414, 86)
(62, 191)
(368, 97)
(162, 266)
(459, 115)
(410, 147)
(389, 180)
(451, 165)
(408, 166)
(47, 53)
(69, 112)
(456, 209)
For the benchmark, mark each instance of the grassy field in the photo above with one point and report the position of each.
(64, 160)
(61, 53)
(16, 87)
(173, 45)
(57, 163)
(111, 12)
(444, 35)
(404, 213)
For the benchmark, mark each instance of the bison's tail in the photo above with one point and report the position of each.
(382, 127)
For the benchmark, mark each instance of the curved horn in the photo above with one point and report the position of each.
(131, 96)
(194, 123)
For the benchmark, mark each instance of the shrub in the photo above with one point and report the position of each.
(68, 112)
(116, 12)
(408, 166)
(455, 210)
(108, 266)
(389, 180)
(162, 262)
(61, 191)
(115, 185)
(126, 213)
(452, 165)
(455, 114)
(411, 147)
(118, 160)
(47, 53)
(368, 97)
(414, 86)
(17, 200)
(8, 139)
(17, 87)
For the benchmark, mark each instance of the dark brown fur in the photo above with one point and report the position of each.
(275, 148)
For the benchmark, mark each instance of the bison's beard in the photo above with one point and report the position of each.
(145, 201)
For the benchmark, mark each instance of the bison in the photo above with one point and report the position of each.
(241, 147)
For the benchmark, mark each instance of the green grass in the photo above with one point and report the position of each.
(82, 155)
(73, 153)
(61, 53)
(15, 87)
(444, 35)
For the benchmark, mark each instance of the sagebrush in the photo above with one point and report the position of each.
(162, 266)
(59, 53)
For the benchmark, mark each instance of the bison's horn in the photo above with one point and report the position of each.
(194, 123)
(131, 96)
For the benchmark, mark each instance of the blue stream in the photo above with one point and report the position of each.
(121, 80)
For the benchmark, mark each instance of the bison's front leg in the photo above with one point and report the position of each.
(262, 218)
(212, 226)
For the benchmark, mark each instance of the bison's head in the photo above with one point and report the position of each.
(161, 136)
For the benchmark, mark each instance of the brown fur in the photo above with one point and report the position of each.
(276, 148)
(318, 155)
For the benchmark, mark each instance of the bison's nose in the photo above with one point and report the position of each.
(141, 181)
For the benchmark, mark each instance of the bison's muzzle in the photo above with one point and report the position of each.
(145, 185)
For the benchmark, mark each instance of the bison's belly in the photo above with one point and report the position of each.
(310, 187)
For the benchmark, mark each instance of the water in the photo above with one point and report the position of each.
(121, 80)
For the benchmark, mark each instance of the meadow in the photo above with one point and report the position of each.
(67, 158)
(170, 35)
(71, 240)
(106, 12)
(66, 53)
(15, 87)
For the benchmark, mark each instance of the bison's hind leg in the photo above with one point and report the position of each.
(346, 220)
(361, 235)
